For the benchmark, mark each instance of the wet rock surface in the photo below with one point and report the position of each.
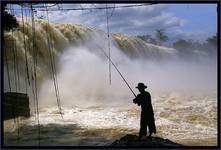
(132, 140)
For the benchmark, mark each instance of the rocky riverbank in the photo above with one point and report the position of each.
(132, 140)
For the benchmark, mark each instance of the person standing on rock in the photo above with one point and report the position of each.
(147, 116)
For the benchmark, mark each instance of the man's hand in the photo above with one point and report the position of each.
(135, 102)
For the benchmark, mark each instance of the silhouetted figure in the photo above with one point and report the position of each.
(147, 115)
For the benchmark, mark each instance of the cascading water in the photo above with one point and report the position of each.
(95, 113)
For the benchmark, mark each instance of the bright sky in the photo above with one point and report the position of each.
(187, 21)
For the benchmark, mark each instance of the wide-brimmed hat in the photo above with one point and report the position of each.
(141, 86)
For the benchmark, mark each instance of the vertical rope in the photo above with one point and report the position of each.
(16, 57)
(108, 36)
(31, 76)
(117, 71)
(15, 104)
(35, 65)
(16, 88)
(25, 47)
(13, 107)
(17, 69)
(8, 73)
(53, 68)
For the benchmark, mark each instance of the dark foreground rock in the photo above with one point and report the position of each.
(132, 140)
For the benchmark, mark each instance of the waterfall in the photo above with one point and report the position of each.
(82, 67)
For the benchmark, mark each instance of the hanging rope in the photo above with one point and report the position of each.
(35, 76)
(117, 70)
(8, 73)
(26, 60)
(9, 82)
(16, 65)
(31, 76)
(109, 55)
(16, 59)
(15, 103)
(40, 8)
(33, 94)
(16, 86)
(112, 12)
(17, 80)
(108, 38)
(53, 68)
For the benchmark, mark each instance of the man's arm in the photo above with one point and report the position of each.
(137, 100)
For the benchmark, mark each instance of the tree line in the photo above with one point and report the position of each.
(185, 47)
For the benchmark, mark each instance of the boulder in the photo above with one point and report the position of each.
(132, 140)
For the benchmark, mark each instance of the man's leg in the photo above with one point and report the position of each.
(151, 127)
(143, 127)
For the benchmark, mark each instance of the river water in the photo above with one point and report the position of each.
(189, 120)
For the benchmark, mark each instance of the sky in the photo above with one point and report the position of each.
(180, 21)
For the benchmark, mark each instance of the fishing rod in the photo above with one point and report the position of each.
(118, 71)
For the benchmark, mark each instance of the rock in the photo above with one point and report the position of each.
(132, 140)
(15, 105)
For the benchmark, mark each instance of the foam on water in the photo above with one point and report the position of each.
(173, 119)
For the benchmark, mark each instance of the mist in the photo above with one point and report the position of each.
(83, 77)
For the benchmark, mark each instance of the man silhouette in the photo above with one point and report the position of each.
(147, 115)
